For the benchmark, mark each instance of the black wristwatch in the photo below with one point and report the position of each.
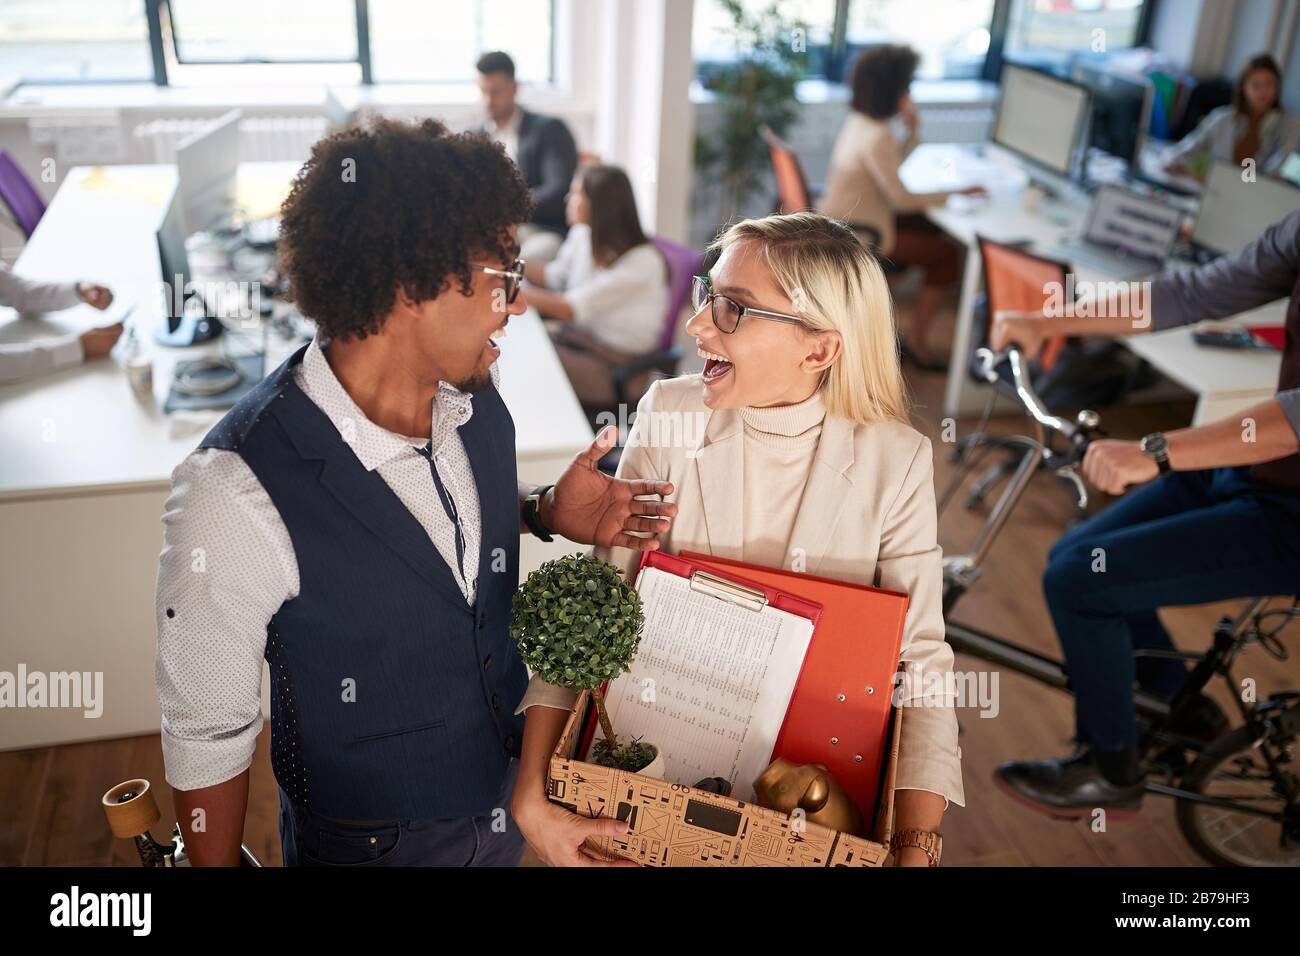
(532, 512)
(1156, 447)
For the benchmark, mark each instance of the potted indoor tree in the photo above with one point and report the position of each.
(578, 624)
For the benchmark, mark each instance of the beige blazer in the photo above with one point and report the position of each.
(867, 515)
(863, 186)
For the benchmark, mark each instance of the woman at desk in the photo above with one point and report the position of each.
(805, 460)
(608, 285)
(27, 297)
(863, 188)
(1254, 126)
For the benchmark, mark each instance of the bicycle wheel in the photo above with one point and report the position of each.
(1233, 768)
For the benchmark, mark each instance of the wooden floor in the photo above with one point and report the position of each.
(49, 797)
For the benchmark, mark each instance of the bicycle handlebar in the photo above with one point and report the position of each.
(1079, 432)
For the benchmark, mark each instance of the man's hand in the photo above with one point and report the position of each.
(556, 835)
(1112, 465)
(1027, 329)
(590, 507)
(97, 343)
(98, 296)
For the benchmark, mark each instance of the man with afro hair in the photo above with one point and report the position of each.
(355, 521)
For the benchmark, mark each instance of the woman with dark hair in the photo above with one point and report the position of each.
(1254, 126)
(864, 190)
(608, 285)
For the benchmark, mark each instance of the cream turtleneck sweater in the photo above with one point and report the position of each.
(780, 442)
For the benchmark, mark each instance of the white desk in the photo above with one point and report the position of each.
(1224, 381)
(86, 465)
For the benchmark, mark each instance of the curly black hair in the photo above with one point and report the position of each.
(394, 205)
(881, 75)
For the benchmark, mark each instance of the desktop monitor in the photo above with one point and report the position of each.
(207, 162)
(1041, 118)
(1121, 112)
(184, 326)
(1235, 213)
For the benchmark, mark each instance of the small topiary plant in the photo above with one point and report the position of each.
(578, 624)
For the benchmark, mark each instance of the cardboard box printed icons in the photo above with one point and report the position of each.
(675, 825)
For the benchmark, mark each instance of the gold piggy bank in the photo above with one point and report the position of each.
(786, 786)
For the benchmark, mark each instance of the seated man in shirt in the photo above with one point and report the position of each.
(608, 285)
(541, 146)
(1219, 519)
(25, 359)
(357, 517)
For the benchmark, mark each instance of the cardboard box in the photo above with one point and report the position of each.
(675, 825)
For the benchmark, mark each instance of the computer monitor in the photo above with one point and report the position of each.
(1120, 114)
(184, 325)
(207, 162)
(1234, 212)
(1041, 118)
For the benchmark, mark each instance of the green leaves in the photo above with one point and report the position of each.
(577, 622)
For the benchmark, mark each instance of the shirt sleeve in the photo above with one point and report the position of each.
(635, 273)
(1290, 402)
(227, 566)
(1262, 272)
(1196, 145)
(28, 295)
(910, 560)
(883, 161)
(36, 358)
(556, 272)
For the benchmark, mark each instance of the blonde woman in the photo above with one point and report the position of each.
(805, 451)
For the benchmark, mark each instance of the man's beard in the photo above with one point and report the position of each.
(475, 383)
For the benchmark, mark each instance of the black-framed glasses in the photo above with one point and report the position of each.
(727, 312)
(514, 277)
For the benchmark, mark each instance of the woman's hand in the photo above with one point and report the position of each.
(556, 835)
(96, 296)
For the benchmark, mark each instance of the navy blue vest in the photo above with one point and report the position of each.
(432, 729)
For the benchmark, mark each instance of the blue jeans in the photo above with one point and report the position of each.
(308, 839)
(1185, 538)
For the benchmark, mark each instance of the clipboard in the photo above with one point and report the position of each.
(725, 586)
(840, 713)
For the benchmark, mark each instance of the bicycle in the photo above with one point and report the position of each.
(1223, 787)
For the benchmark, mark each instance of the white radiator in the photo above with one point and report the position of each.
(270, 138)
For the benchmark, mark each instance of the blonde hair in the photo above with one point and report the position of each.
(837, 285)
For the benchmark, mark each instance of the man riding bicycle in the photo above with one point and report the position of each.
(1217, 517)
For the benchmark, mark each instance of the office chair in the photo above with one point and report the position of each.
(683, 263)
(792, 192)
(20, 195)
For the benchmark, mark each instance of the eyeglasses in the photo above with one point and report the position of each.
(727, 312)
(514, 277)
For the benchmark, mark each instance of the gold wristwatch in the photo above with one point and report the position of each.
(927, 841)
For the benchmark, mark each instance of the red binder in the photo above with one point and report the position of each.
(839, 714)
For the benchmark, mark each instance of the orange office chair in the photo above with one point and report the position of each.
(1014, 280)
(793, 194)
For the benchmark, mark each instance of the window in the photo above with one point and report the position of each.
(952, 38)
(415, 40)
(264, 31)
(55, 40)
(1055, 28)
(715, 39)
